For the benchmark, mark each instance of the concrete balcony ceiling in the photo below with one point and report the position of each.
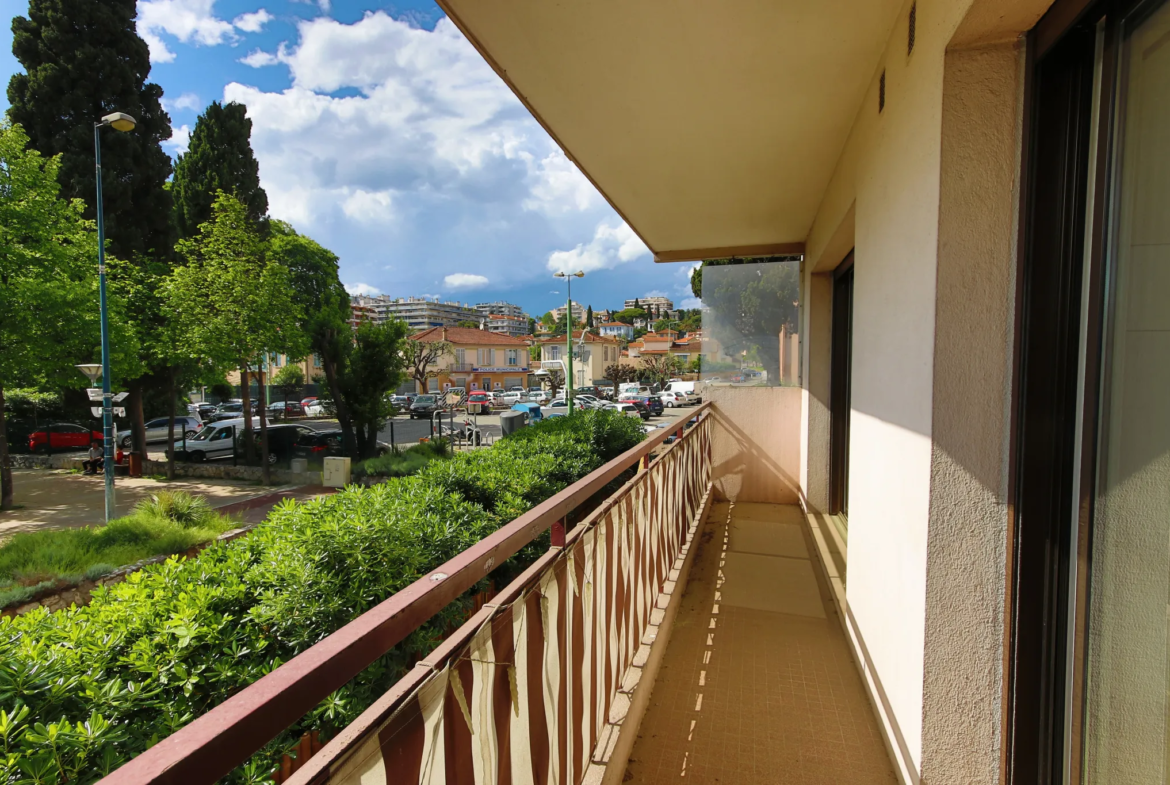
(713, 128)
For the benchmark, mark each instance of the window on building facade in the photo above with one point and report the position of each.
(513, 357)
(554, 352)
(460, 356)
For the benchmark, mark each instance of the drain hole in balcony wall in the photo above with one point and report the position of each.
(882, 92)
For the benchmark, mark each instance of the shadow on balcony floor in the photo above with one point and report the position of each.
(758, 684)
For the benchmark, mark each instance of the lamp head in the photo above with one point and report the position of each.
(559, 275)
(119, 121)
(579, 274)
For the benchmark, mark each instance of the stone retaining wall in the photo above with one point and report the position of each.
(217, 470)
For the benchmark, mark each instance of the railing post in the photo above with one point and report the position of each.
(643, 463)
(557, 533)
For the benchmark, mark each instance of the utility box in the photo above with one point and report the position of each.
(336, 474)
(510, 422)
(299, 465)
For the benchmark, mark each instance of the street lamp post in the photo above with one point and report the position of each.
(119, 121)
(569, 333)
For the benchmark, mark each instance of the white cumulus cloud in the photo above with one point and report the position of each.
(258, 58)
(362, 288)
(465, 281)
(611, 246)
(184, 101)
(187, 20)
(252, 22)
(179, 141)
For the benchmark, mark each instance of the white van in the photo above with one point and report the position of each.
(686, 389)
(215, 440)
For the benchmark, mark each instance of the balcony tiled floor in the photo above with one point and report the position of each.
(758, 685)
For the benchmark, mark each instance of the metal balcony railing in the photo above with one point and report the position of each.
(530, 680)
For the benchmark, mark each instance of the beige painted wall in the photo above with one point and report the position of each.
(756, 442)
(817, 297)
(927, 453)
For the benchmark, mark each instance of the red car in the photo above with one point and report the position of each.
(479, 401)
(62, 436)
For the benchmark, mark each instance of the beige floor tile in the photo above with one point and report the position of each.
(782, 701)
(771, 583)
(766, 537)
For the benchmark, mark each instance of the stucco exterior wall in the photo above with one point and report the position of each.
(756, 442)
(932, 272)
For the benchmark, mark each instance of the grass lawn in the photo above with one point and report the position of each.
(169, 522)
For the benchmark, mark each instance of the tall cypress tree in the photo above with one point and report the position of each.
(218, 158)
(83, 59)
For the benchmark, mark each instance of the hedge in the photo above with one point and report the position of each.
(88, 688)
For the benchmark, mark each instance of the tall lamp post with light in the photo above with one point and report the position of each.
(119, 121)
(569, 333)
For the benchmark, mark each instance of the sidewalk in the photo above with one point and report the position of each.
(55, 499)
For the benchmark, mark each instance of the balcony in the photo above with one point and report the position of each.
(667, 635)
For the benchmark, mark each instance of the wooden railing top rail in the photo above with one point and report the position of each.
(212, 745)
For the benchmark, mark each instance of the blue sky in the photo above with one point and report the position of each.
(382, 134)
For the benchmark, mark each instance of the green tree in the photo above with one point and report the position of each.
(232, 304)
(219, 158)
(547, 319)
(318, 290)
(373, 369)
(84, 59)
(629, 315)
(290, 379)
(48, 296)
(589, 317)
(531, 326)
(468, 324)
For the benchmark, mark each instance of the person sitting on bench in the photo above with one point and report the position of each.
(96, 459)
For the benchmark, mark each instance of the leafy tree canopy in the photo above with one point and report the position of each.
(628, 315)
(84, 59)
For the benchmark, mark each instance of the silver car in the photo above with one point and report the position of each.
(157, 429)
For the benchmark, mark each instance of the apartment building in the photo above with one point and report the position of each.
(578, 312)
(516, 326)
(662, 304)
(616, 330)
(502, 308)
(479, 360)
(419, 313)
(591, 355)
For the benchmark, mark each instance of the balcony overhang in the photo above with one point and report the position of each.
(713, 129)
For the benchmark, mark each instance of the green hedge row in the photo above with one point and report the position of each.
(84, 690)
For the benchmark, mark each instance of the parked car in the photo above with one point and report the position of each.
(279, 410)
(539, 396)
(62, 436)
(424, 406)
(630, 410)
(687, 389)
(158, 428)
(517, 388)
(479, 402)
(513, 397)
(307, 402)
(230, 410)
(216, 440)
(325, 444)
(402, 402)
(320, 408)
(202, 410)
(285, 442)
(673, 399)
(651, 402)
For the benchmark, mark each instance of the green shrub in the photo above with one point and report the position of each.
(169, 522)
(148, 655)
(403, 463)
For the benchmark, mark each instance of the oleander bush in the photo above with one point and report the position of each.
(168, 522)
(85, 689)
(402, 463)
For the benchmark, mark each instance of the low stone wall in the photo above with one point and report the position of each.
(64, 594)
(217, 470)
(221, 470)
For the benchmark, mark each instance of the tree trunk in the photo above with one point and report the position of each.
(6, 492)
(171, 428)
(265, 473)
(137, 419)
(245, 396)
(347, 438)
